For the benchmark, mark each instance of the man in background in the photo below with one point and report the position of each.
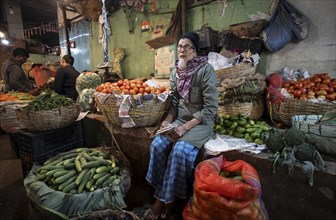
(65, 78)
(12, 73)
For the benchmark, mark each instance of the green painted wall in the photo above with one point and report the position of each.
(139, 59)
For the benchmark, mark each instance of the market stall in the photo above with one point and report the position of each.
(264, 126)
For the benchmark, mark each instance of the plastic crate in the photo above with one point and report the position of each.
(37, 147)
(207, 40)
(15, 144)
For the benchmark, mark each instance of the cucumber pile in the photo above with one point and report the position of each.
(241, 126)
(79, 170)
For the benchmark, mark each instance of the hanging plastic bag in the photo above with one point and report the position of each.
(287, 24)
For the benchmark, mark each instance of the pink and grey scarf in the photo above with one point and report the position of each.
(184, 76)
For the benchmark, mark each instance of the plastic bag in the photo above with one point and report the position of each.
(85, 99)
(286, 24)
(218, 61)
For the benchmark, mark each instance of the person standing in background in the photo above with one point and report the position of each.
(12, 73)
(65, 78)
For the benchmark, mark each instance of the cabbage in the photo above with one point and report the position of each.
(85, 99)
(87, 80)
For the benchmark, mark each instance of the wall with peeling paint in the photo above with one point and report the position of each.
(315, 54)
(139, 59)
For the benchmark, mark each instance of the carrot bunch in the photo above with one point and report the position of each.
(7, 97)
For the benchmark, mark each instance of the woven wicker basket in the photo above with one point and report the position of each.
(248, 28)
(323, 135)
(235, 71)
(147, 114)
(310, 124)
(8, 119)
(253, 109)
(290, 107)
(48, 119)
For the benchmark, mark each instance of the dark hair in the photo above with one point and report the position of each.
(20, 52)
(68, 59)
(36, 64)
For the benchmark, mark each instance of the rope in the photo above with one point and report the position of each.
(271, 110)
(115, 141)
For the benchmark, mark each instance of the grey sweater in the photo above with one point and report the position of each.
(202, 105)
(14, 76)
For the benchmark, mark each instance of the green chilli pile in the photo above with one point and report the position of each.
(241, 126)
(80, 170)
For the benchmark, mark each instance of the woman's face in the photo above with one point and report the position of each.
(186, 50)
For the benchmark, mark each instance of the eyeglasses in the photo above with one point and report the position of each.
(185, 48)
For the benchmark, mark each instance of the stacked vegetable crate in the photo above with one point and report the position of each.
(49, 128)
(37, 147)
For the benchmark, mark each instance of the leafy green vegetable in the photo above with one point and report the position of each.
(48, 100)
(87, 80)
(85, 99)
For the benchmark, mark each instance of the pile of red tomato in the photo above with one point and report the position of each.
(318, 86)
(132, 87)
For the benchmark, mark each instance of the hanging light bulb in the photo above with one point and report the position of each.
(4, 41)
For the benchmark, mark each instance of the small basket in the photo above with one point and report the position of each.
(290, 107)
(235, 71)
(248, 28)
(147, 114)
(48, 119)
(253, 109)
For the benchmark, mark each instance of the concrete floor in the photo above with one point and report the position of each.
(14, 203)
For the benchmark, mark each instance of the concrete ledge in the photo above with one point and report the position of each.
(285, 197)
(288, 197)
